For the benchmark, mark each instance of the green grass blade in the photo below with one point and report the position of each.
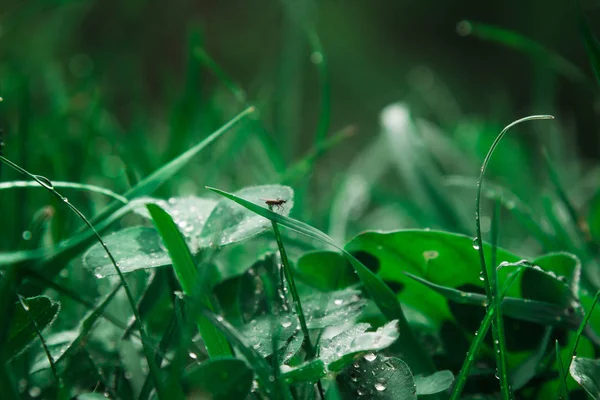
(581, 328)
(476, 344)
(287, 270)
(149, 184)
(591, 44)
(64, 185)
(490, 285)
(562, 374)
(527, 46)
(382, 295)
(187, 274)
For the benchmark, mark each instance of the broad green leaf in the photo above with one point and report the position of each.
(219, 378)
(377, 377)
(22, 331)
(434, 383)
(342, 349)
(586, 373)
(310, 371)
(229, 223)
(133, 248)
(441, 258)
(326, 270)
(188, 276)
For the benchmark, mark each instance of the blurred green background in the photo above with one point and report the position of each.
(104, 92)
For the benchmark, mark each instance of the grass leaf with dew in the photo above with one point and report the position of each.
(381, 294)
(187, 275)
(489, 276)
(377, 377)
(342, 349)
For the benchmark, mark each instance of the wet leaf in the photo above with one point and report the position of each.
(133, 248)
(340, 350)
(229, 222)
(377, 377)
(586, 373)
(22, 331)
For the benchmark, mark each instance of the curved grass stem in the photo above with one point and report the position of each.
(489, 280)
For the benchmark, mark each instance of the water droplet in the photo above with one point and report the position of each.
(99, 276)
(379, 386)
(193, 355)
(338, 302)
(476, 243)
(45, 182)
(179, 294)
(370, 357)
(316, 57)
(25, 306)
(481, 277)
(286, 322)
(26, 235)
(35, 391)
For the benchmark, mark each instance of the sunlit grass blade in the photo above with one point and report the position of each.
(149, 184)
(381, 294)
(64, 185)
(490, 282)
(187, 274)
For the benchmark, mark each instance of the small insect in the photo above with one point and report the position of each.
(275, 202)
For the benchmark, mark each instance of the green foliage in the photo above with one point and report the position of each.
(335, 262)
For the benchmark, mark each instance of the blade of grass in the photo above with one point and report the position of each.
(563, 393)
(187, 274)
(65, 185)
(490, 284)
(476, 344)
(149, 184)
(287, 270)
(44, 182)
(382, 295)
(527, 46)
(581, 328)
(591, 44)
